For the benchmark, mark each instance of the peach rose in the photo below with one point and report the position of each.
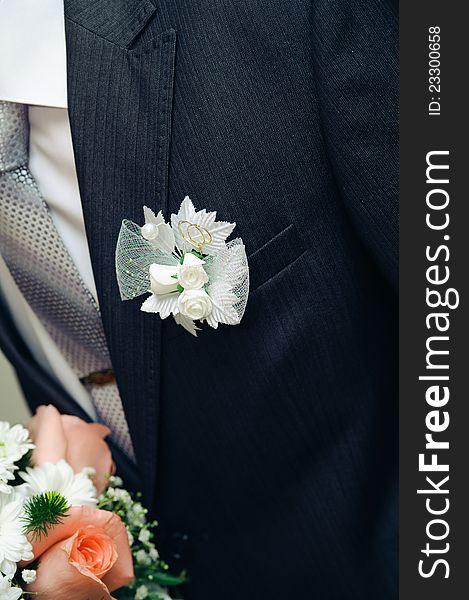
(65, 437)
(86, 557)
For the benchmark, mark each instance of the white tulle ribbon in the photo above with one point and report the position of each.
(187, 267)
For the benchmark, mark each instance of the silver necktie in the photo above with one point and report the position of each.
(47, 277)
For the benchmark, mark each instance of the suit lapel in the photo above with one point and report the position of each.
(120, 106)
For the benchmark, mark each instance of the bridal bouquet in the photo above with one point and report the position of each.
(68, 530)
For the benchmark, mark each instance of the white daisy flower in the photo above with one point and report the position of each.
(77, 489)
(7, 592)
(6, 474)
(14, 545)
(14, 441)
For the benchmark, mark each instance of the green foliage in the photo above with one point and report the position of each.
(43, 512)
(168, 580)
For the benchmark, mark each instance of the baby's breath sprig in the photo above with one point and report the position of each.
(44, 511)
(151, 573)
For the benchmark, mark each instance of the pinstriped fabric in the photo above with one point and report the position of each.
(120, 112)
(46, 274)
(281, 467)
(352, 72)
(119, 22)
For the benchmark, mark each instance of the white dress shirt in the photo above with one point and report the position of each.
(33, 72)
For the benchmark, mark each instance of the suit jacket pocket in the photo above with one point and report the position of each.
(273, 257)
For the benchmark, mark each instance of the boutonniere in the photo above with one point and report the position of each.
(189, 269)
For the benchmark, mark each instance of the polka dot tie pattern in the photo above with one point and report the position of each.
(46, 274)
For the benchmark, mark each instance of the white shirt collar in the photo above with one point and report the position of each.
(33, 68)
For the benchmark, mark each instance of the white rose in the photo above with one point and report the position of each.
(195, 304)
(163, 280)
(191, 274)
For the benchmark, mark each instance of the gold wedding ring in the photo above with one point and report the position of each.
(194, 234)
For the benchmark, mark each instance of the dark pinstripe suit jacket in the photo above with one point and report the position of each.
(267, 450)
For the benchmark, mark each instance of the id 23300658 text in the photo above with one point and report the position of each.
(434, 71)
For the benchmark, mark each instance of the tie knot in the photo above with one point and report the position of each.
(14, 135)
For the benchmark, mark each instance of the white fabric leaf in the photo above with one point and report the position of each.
(165, 240)
(223, 301)
(218, 230)
(151, 218)
(188, 324)
(164, 305)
